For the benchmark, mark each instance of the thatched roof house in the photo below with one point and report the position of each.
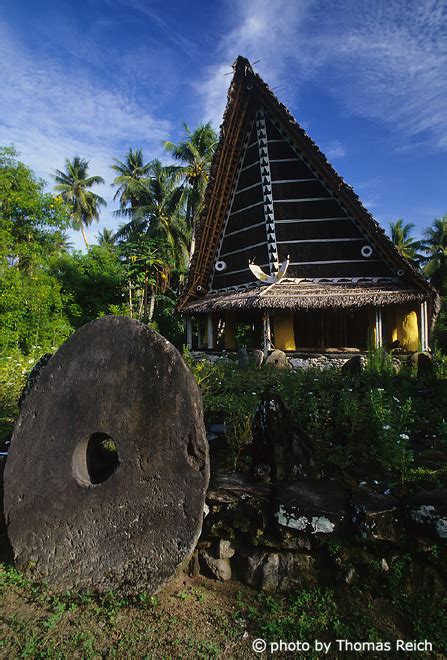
(273, 198)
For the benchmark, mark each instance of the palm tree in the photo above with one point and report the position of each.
(61, 243)
(407, 246)
(106, 237)
(196, 153)
(158, 224)
(131, 175)
(73, 186)
(436, 248)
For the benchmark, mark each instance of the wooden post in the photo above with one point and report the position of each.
(378, 329)
(203, 334)
(266, 333)
(210, 332)
(424, 326)
(189, 332)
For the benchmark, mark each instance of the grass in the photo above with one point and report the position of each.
(206, 619)
(187, 620)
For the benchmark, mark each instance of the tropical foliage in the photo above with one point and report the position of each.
(436, 269)
(132, 173)
(32, 232)
(430, 255)
(436, 248)
(401, 235)
(195, 153)
(106, 237)
(91, 284)
(155, 239)
(74, 187)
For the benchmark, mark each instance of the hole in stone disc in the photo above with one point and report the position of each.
(95, 459)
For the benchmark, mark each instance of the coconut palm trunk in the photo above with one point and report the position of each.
(192, 215)
(152, 304)
(145, 288)
(130, 299)
(84, 236)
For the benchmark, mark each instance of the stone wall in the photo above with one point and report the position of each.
(278, 526)
(316, 532)
(299, 360)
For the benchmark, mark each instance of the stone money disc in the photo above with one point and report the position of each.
(108, 466)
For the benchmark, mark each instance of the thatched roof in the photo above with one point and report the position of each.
(246, 93)
(289, 294)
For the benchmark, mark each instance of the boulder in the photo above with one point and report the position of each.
(288, 539)
(214, 567)
(423, 362)
(239, 507)
(224, 549)
(312, 507)
(277, 442)
(242, 358)
(376, 517)
(232, 487)
(108, 466)
(278, 359)
(300, 363)
(258, 357)
(277, 571)
(427, 514)
(353, 365)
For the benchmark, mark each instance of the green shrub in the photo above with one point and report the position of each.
(238, 425)
(300, 615)
(369, 421)
(378, 361)
(393, 421)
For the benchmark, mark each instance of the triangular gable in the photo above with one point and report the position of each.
(272, 194)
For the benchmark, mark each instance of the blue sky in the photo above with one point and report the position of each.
(367, 79)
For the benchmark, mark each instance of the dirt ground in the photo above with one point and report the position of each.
(192, 618)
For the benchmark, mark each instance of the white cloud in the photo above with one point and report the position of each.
(178, 40)
(380, 60)
(263, 30)
(391, 63)
(51, 113)
(334, 150)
